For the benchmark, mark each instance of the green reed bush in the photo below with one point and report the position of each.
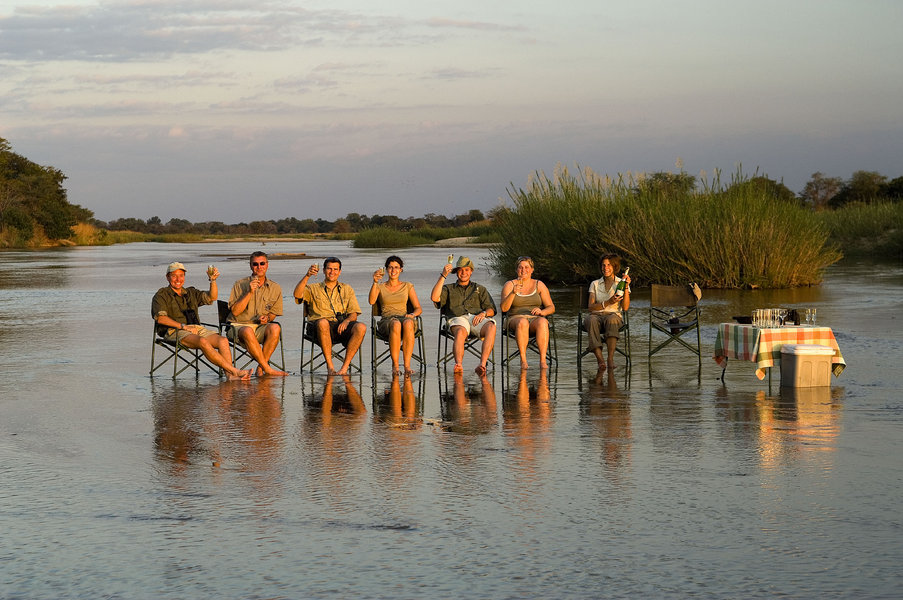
(386, 237)
(731, 236)
(873, 229)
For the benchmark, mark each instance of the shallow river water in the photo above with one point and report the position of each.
(658, 482)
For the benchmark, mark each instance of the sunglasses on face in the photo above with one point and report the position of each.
(258, 264)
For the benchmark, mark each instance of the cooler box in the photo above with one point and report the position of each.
(805, 365)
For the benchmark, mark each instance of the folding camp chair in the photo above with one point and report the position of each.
(419, 354)
(472, 345)
(182, 357)
(239, 352)
(674, 311)
(623, 345)
(509, 338)
(317, 359)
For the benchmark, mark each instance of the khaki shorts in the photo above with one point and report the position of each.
(466, 321)
(384, 323)
(174, 334)
(259, 331)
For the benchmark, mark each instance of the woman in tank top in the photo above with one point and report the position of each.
(527, 302)
(396, 323)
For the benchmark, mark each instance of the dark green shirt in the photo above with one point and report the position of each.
(457, 300)
(181, 308)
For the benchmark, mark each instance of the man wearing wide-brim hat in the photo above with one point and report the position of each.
(175, 309)
(469, 308)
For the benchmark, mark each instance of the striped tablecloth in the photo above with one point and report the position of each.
(763, 346)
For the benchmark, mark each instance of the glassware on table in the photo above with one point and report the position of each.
(757, 317)
(812, 316)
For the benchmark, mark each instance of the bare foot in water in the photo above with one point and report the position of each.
(480, 370)
(240, 375)
(261, 372)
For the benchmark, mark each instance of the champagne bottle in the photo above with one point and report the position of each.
(619, 291)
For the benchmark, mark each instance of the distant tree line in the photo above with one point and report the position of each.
(351, 223)
(820, 192)
(33, 201)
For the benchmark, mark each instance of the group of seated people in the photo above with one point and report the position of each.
(333, 310)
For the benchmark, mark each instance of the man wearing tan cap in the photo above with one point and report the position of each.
(469, 308)
(175, 309)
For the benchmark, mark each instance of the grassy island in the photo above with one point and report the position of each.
(721, 236)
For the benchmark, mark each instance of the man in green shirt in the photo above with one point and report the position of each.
(469, 308)
(175, 309)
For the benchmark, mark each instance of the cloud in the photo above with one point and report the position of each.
(446, 23)
(128, 31)
(452, 73)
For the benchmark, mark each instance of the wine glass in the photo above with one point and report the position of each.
(812, 316)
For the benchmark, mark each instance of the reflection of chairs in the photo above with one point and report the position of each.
(181, 356)
(419, 354)
(508, 338)
(317, 358)
(472, 345)
(623, 346)
(674, 311)
(239, 352)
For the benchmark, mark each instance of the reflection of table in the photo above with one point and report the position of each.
(763, 346)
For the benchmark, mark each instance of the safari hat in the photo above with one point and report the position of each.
(463, 261)
(176, 266)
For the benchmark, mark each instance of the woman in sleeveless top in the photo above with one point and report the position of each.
(603, 323)
(396, 323)
(527, 302)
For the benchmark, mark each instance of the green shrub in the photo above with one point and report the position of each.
(874, 229)
(386, 237)
(720, 237)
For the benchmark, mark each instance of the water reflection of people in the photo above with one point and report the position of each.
(526, 412)
(399, 404)
(607, 409)
(470, 409)
(331, 402)
(230, 421)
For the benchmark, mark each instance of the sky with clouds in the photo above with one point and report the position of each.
(233, 110)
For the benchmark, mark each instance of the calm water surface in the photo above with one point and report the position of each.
(655, 482)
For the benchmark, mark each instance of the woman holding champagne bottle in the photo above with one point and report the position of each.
(604, 321)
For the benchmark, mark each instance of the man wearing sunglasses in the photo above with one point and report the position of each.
(255, 302)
